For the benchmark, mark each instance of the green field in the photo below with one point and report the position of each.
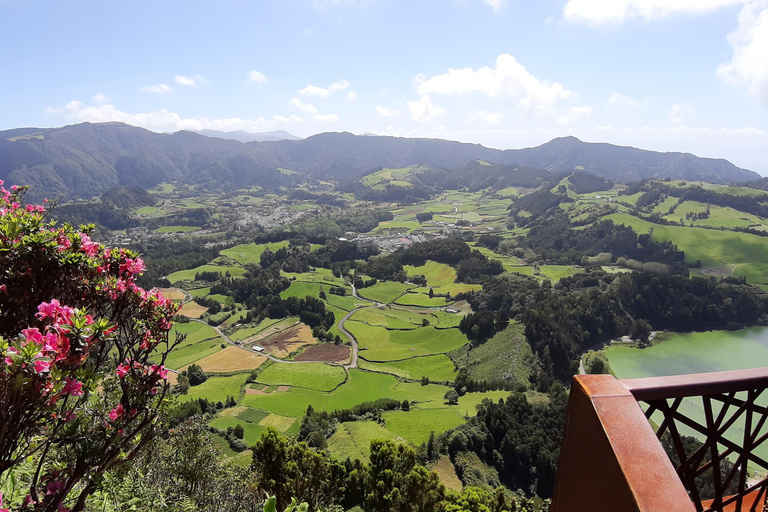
(437, 368)
(421, 300)
(216, 389)
(384, 292)
(252, 430)
(384, 345)
(201, 341)
(437, 274)
(388, 317)
(507, 355)
(251, 253)
(353, 439)
(745, 252)
(189, 275)
(280, 323)
(317, 376)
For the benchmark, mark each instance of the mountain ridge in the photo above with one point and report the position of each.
(85, 160)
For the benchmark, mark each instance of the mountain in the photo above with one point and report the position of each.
(86, 160)
(243, 136)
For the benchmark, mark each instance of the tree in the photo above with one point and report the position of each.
(84, 347)
(405, 406)
(196, 375)
(239, 431)
(640, 331)
(452, 397)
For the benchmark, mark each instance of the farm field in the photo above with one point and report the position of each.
(388, 317)
(317, 376)
(231, 359)
(353, 439)
(189, 275)
(384, 345)
(216, 389)
(384, 292)
(744, 251)
(437, 368)
(437, 274)
(251, 253)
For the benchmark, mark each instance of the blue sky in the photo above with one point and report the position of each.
(669, 75)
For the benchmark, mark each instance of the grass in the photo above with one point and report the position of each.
(384, 292)
(216, 389)
(279, 423)
(388, 317)
(279, 324)
(437, 274)
(252, 431)
(415, 425)
(251, 253)
(744, 251)
(146, 210)
(201, 341)
(384, 345)
(189, 275)
(442, 319)
(420, 300)
(438, 368)
(317, 376)
(506, 355)
(353, 439)
(252, 415)
(292, 403)
(397, 225)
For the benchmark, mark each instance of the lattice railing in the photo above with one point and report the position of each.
(612, 460)
(733, 426)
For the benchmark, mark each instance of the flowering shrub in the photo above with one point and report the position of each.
(82, 349)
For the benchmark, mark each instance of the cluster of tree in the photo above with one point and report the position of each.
(317, 198)
(206, 275)
(328, 226)
(424, 216)
(189, 217)
(585, 183)
(476, 175)
(163, 256)
(102, 214)
(655, 190)
(562, 321)
(359, 282)
(556, 241)
(393, 480)
(530, 207)
(337, 290)
(521, 441)
(317, 426)
(195, 374)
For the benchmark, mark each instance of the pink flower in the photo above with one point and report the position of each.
(33, 335)
(116, 412)
(54, 310)
(122, 370)
(9, 355)
(53, 486)
(43, 366)
(87, 246)
(1, 504)
(72, 387)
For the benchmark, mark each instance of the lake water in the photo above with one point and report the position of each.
(701, 352)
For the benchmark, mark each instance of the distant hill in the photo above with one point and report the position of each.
(86, 160)
(243, 136)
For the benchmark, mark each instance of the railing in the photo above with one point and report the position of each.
(612, 459)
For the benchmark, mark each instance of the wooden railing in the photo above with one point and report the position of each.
(612, 459)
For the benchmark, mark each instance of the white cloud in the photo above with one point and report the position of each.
(190, 82)
(351, 96)
(622, 101)
(490, 118)
(100, 99)
(257, 76)
(313, 90)
(749, 64)
(614, 12)
(572, 114)
(324, 92)
(326, 118)
(156, 89)
(679, 112)
(495, 4)
(509, 78)
(338, 86)
(387, 112)
(423, 111)
(165, 120)
(305, 107)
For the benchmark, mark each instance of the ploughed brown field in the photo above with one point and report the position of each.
(325, 352)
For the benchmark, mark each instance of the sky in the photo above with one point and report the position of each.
(666, 75)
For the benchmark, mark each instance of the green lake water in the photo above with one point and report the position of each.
(701, 352)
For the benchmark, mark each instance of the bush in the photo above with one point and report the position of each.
(83, 348)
